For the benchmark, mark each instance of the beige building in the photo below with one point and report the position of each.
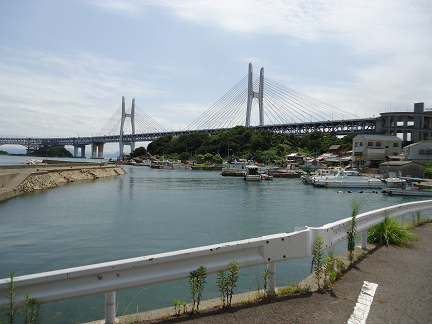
(420, 151)
(368, 148)
(393, 169)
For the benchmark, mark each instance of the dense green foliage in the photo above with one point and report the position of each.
(428, 170)
(391, 232)
(244, 142)
(52, 151)
(140, 151)
(3, 152)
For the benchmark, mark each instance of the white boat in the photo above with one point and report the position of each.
(347, 179)
(252, 174)
(329, 173)
(403, 187)
(235, 167)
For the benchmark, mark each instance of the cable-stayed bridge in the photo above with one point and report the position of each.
(280, 109)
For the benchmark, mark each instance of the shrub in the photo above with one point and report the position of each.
(318, 259)
(197, 279)
(356, 205)
(391, 232)
(227, 282)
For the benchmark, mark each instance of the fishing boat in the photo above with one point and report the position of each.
(252, 174)
(266, 176)
(347, 179)
(404, 187)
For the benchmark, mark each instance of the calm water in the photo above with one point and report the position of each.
(149, 211)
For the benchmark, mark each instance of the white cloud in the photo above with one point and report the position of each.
(396, 85)
(44, 94)
(366, 26)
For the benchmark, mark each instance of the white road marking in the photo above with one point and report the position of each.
(364, 301)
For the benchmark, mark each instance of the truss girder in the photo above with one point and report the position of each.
(341, 127)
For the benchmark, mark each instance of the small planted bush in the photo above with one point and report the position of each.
(32, 306)
(32, 309)
(265, 276)
(227, 281)
(197, 279)
(356, 205)
(318, 259)
(327, 266)
(391, 232)
(12, 310)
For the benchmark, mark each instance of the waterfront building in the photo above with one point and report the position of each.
(420, 151)
(369, 148)
(393, 169)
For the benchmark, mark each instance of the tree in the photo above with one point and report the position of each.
(52, 151)
(208, 157)
(218, 159)
(185, 156)
(140, 151)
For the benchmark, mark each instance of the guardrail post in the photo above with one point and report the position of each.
(271, 287)
(110, 301)
(364, 240)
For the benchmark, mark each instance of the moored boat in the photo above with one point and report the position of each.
(347, 179)
(252, 174)
(403, 187)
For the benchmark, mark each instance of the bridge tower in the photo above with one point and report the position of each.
(122, 143)
(252, 94)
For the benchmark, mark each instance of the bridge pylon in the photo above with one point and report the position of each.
(122, 143)
(252, 94)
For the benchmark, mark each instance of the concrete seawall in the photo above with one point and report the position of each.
(15, 182)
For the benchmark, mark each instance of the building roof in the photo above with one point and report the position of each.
(380, 136)
(335, 147)
(398, 163)
(411, 145)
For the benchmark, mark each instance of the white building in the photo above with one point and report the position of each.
(419, 152)
(369, 148)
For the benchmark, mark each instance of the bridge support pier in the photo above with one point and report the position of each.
(76, 150)
(97, 150)
(122, 142)
(252, 94)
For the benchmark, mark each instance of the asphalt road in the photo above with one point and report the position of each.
(403, 294)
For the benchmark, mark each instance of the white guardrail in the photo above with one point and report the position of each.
(109, 277)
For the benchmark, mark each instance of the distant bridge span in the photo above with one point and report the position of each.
(341, 127)
(284, 110)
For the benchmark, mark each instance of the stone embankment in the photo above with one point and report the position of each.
(54, 179)
(14, 182)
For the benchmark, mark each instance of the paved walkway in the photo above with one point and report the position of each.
(403, 294)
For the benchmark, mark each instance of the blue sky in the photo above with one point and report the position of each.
(64, 65)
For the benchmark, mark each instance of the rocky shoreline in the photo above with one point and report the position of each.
(54, 179)
(18, 182)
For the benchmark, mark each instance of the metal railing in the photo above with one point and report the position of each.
(110, 277)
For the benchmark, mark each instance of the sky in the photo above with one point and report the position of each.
(65, 65)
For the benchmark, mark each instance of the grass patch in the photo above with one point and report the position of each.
(391, 232)
(424, 221)
(292, 289)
